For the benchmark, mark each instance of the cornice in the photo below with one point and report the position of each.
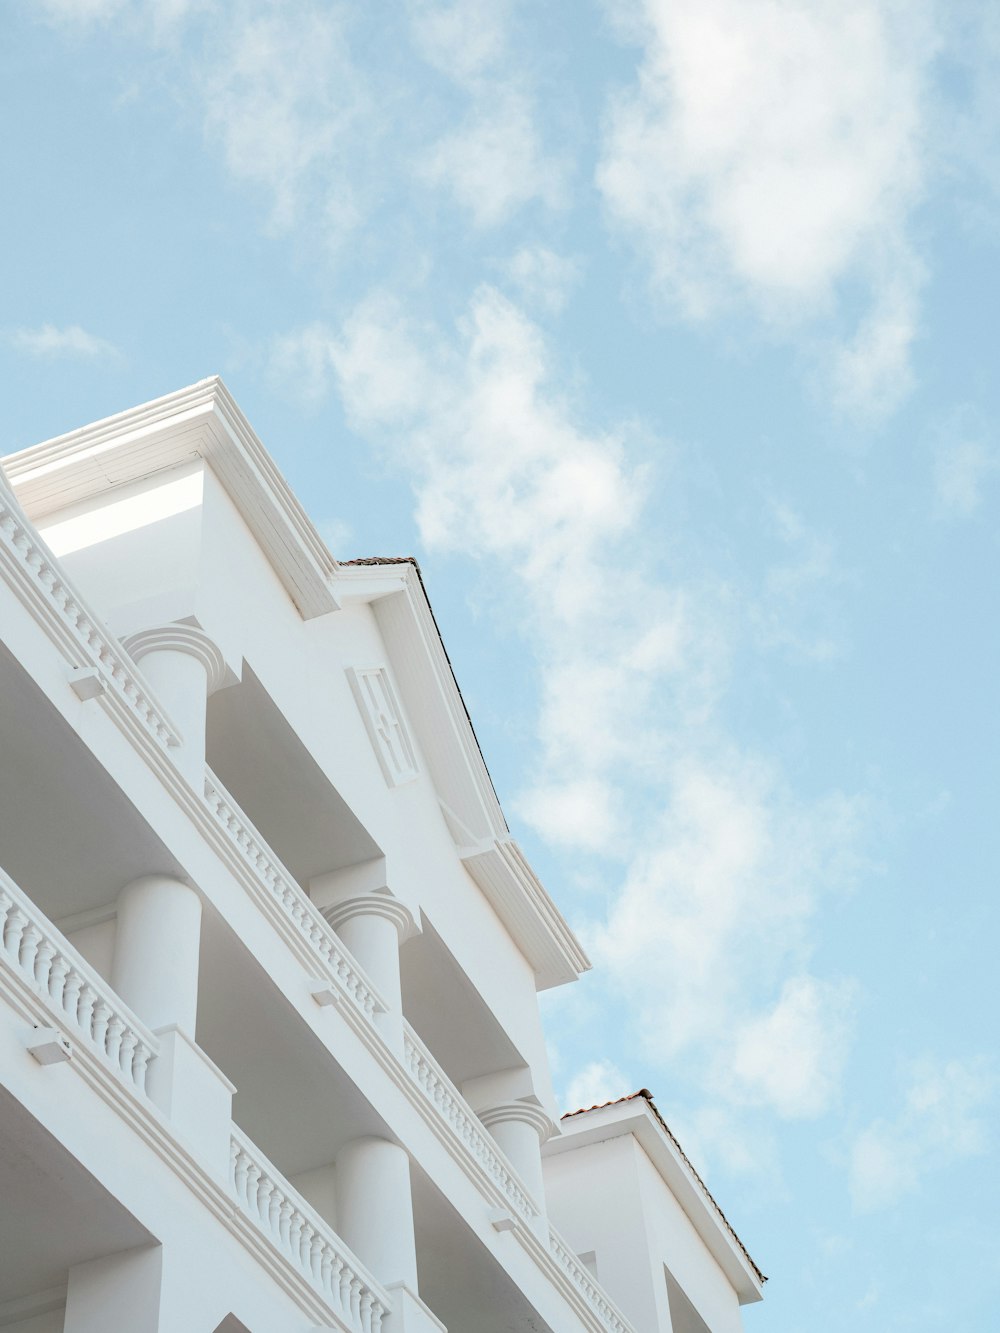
(470, 808)
(200, 421)
(178, 637)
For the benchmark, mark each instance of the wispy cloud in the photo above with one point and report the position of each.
(945, 1118)
(770, 152)
(542, 277)
(50, 341)
(966, 459)
(600, 1081)
(494, 161)
(717, 871)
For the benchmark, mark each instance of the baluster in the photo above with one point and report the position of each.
(326, 1269)
(317, 1247)
(306, 1244)
(113, 1037)
(58, 974)
(130, 1041)
(88, 1002)
(31, 937)
(378, 1313)
(6, 904)
(355, 1306)
(99, 1022)
(71, 995)
(265, 1191)
(366, 1311)
(237, 1174)
(253, 1187)
(285, 1211)
(345, 1288)
(140, 1065)
(336, 1279)
(294, 1238)
(14, 928)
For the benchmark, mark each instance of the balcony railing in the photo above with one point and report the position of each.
(81, 636)
(439, 1090)
(301, 1235)
(611, 1317)
(78, 998)
(283, 889)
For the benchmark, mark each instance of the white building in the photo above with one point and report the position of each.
(270, 1049)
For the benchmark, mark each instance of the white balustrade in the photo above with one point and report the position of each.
(611, 1317)
(302, 1236)
(456, 1112)
(82, 636)
(280, 885)
(80, 999)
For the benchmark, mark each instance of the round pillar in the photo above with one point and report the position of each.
(183, 667)
(372, 926)
(375, 1208)
(520, 1129)
(157, 943)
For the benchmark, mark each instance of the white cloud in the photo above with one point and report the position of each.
(945, 1118)
(284, 101)
(770, 151)
(495, 161)
(600, 1081)
(961, 470)
(72, 340)
(542, 277)
(81, 12)
(714, 870)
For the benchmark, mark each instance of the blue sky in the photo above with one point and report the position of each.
(664, 333)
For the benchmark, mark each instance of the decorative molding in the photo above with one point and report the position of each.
(200, 421)
(383, 719)
(301, 1235)
(380, 902)
(178, 637)
(523, 1112)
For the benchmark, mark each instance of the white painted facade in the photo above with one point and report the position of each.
(270, 1049)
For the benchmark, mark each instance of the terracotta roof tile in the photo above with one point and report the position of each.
(647, 1097)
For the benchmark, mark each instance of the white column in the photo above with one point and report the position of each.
(183, 667)
(375, 1208)
(373, 924)
(157, 943)
(519, 1129)
(155, 971)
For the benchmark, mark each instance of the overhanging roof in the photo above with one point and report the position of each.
(204, 421)
(637, 1114)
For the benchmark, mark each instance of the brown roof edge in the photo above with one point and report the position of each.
(647, 1097)
(412, 560)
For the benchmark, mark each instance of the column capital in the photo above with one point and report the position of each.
(178, 637)
(519, 1112)
(381, 903)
